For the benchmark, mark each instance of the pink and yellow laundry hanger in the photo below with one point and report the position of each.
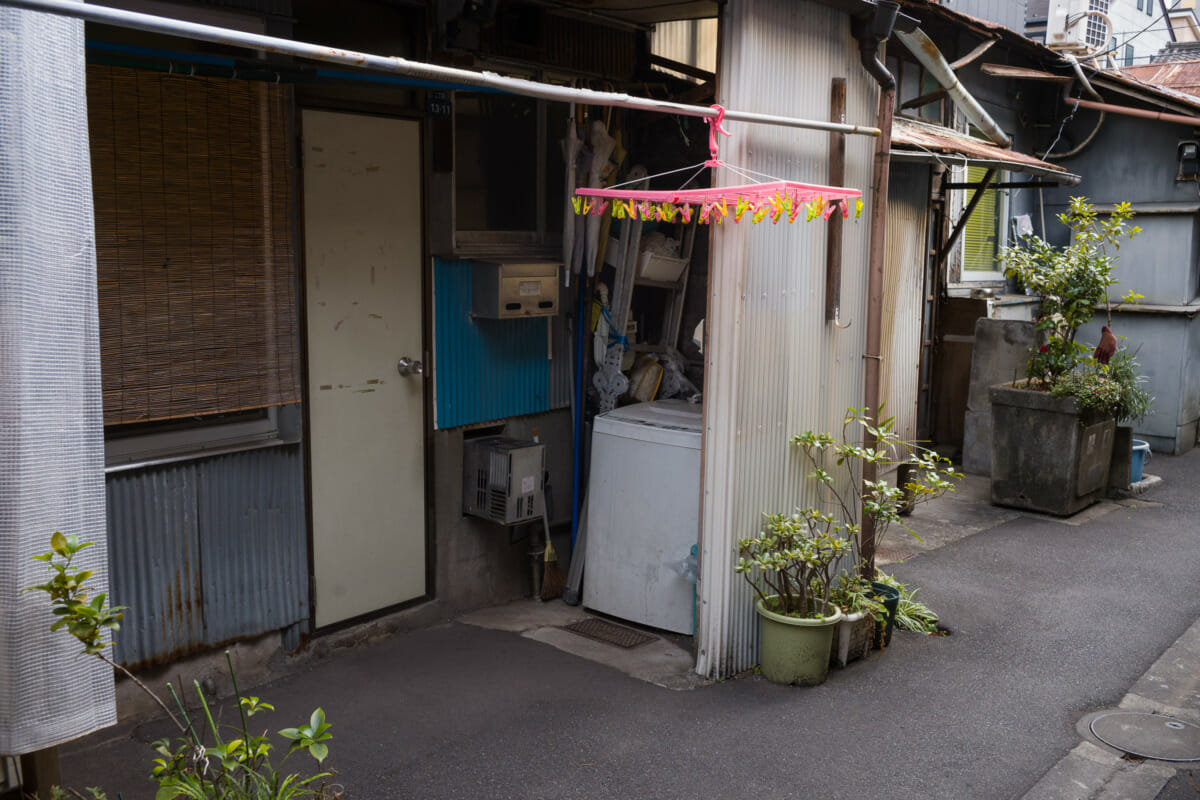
(765, 197)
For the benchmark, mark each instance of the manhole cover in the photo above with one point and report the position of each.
(1147, 735)
(603, 631)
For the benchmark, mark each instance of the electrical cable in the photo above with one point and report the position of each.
(1161, 18)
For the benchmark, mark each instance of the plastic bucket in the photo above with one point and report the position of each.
(1141, 451)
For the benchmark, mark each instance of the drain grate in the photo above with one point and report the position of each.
(604, 631)
(1155, 736)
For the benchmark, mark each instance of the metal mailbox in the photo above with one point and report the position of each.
(508, 289)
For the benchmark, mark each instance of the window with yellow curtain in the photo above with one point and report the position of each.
(984, 233)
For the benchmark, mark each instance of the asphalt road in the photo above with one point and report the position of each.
(1050, 621)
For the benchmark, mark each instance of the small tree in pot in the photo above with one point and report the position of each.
(1052, 435)
(920, 475)
(794, 565)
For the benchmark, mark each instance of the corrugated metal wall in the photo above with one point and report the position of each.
(904, 277)
(486, 369)
(1009, 13)
(688, 41)
(204, 552)
(774, 366)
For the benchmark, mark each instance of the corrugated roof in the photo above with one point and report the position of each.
(927, 9)
(1182, 76)
(912, 138)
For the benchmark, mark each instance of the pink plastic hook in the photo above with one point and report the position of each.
(715, 127)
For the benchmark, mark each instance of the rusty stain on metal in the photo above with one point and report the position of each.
(1182, 76)
(924, 136)
(326, 387)
(374, 316)
(373, 380)
(364, 391)
(1005, 71)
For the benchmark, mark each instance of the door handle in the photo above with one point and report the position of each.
(410, 366)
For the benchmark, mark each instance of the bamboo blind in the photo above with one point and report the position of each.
(196, 268)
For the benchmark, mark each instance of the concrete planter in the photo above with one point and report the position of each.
(795, 650)
(1042, 460)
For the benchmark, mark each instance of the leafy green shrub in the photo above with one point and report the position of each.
(1098, 396)
(792, 564)
(1071, 282)
(202, 764)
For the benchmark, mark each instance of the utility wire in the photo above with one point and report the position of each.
(1161, 18)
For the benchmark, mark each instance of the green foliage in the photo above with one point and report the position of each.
(852, 593)
(793, 559)
(1136, 401)
(795, 556)
(84, 618)
(911, 614)
(1098, 396)
(206, 761)
(1071, 282)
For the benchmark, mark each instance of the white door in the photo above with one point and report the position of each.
(362, 232)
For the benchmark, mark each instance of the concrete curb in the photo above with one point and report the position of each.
(1095, 771)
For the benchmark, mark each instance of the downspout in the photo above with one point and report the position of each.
(932, 59)
(871, 36)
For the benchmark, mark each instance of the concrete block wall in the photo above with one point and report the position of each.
(1000, 354)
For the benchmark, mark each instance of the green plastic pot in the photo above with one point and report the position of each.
(795, 650)
(890, 598)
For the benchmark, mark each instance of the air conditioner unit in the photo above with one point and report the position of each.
(1069, 21)
(502, 479)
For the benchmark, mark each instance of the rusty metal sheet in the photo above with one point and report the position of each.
(207, 551)
(1005, 71)
(1182, 76)
(154, 562)
(923, 137)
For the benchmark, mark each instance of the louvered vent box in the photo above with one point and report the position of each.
(508, 289)
(502, 479)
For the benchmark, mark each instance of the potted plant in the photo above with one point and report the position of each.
(806, 568)
(790, 565)
(1052, 434)
(920, 475)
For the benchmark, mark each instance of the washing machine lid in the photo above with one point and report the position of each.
(669, 421)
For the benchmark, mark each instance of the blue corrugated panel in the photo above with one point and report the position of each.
(484, 369)
(254, 572)
(154, 559)
(207, 551)
(562, 375)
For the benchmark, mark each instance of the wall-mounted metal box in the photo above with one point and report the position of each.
(507, 289)
(502, 479)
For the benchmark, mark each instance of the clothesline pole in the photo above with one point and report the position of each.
(395, 65)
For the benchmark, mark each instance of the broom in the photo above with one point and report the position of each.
(554, 580)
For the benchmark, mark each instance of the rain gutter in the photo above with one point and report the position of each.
(932, 59)
(871, 35)
(150, 23)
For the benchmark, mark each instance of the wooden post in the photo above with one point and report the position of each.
(39, 771)
(837, 177)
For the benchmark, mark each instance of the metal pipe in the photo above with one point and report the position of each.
(165, 26)
(1126, 111)
(870, 39)
(932, 59)
(961, 225)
